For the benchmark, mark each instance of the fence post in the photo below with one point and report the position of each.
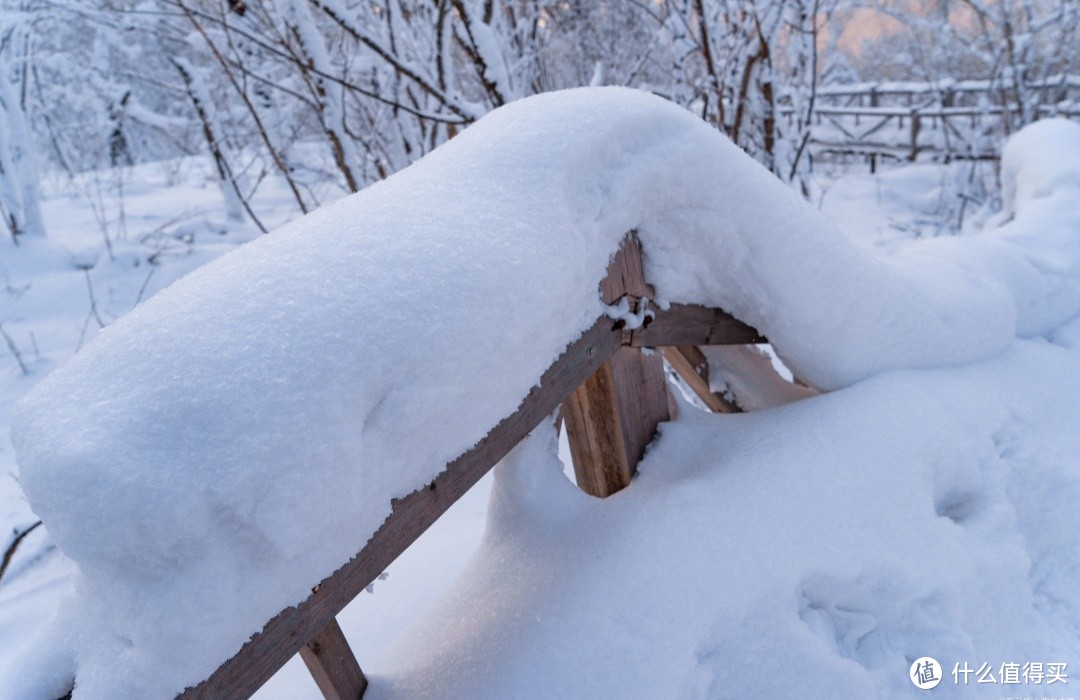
(611, 418)
(914, 135)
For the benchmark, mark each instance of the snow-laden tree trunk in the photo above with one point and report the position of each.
(317, 71)
(799, 91)
(235, 203)
(19, 187)
(749, 67)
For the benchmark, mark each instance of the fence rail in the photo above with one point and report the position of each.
(941, 121)
(1054, 89)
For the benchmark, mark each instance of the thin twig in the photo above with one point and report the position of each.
(10, 551)
(14, 350)
(142, 289)
(82, 333)
(93, 300)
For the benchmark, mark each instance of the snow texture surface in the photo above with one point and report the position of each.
(236, 438)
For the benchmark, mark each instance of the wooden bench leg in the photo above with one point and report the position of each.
(333, 666)
(612, 416)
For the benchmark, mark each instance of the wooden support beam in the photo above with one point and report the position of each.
(693, 368)
(332, 664)
(592, 428)
(624, 274)
(641, 387)
(612, 416)
(689, 324)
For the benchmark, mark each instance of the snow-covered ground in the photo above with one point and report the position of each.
(812, 550)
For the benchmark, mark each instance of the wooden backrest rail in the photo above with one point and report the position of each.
(619, 410)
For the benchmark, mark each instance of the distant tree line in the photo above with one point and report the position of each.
(345, 92)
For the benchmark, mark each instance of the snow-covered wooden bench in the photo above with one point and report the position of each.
(215, 459)
(612, 397)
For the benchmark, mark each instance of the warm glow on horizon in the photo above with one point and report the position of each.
(863, 25)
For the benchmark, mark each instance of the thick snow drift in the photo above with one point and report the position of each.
(1040, 162)
(215, 453)
(810, 551)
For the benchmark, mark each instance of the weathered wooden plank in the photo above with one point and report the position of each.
(642, 394)
(692, 367)
(290, 629)
(332, 664)
(595, 435)
(689, 324)
(624, 275)
(612, 416)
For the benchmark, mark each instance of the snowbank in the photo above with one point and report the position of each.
(215, 453)
(1039, 162)
(810, 551)
(1040, 175)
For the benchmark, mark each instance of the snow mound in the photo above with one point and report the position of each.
(810, 551)
(232, 441)
(1038, 161)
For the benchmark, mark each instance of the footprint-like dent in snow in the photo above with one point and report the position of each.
(959, 506)
(880, 619)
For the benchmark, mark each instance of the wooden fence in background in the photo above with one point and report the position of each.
(942, 121)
